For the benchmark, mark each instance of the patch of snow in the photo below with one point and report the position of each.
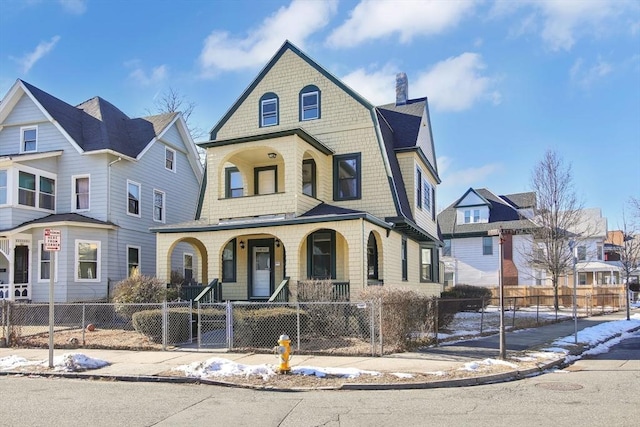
(476, 365)
(69, 362)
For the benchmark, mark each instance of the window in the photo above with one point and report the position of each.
(170, 159)
(233, 183)
(469, 219)
(29, 138)
(582, 253)
(133, 259)
(476, 215)
(582, 278)
(229, 262)
(427, 195)
(433, 203)
(80, 193)
(403, 254)
(448, 278)
(446, 250)
(45, 263)
(321, 255)
(599, 254)
(346, 177)
(487, 246)
(26, 189)
(419, 188)
(87, 264)
(3, 187)
(309, 177)
(187, 267)
(425, 265)
(268, 109)
(265, 180)
(467, 216)
(158, 206)
(309, 103)
(133, 205)
(372, 258)
(539, 277)
(47, 193)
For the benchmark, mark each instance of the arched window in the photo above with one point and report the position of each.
(269, 109)
(309, 103)
(372, 258)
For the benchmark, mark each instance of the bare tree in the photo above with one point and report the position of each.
(558, 214)
(630, 249)
(171, 101)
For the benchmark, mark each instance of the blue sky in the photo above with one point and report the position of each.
(506, 80)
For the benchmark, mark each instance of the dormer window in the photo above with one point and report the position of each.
(269, 109)
(309, 103)
(471, 216)
(170, 159)
(29, 139)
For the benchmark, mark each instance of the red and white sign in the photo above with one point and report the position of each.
(51, 239)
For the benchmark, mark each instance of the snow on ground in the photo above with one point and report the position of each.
(592, 338)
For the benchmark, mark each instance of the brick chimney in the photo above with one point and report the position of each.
(402, 89)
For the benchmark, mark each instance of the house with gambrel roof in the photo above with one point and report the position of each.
(470, 253)
(307, 180)
(99, 177)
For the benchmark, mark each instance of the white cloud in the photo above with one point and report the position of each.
(456, 83)
(585, 77)
(223, 52)
(374, 19)
(470, 177)
(139, 75)
(30, 59)
(77, 7)
(561, 23)
(378, 87)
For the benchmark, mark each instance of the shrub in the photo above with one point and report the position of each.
(149, 323)
(407, 316)
(315, 291)
(473, 298)
(140, 289)
(262, 327)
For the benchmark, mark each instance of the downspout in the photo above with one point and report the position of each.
(109, 188)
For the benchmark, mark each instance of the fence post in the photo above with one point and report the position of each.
(482, 315)
(513, 318)
(199, 326)
(164, 325)
(84, 326)
(190, 321)
(435, 320)
(380, 327)
(372, 330)
(298, 323)
(229, 319)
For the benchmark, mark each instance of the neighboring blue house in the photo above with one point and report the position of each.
(102, 179)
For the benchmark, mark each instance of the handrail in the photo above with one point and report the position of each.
(207, 290)
(283, 289)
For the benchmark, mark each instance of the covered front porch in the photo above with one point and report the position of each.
(15, 284)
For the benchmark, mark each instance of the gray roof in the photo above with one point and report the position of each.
(502, 213)
(97, 124)
(65, 217)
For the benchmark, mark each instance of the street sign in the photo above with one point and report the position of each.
(51, 239)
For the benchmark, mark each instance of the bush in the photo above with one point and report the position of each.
(261, 328)
(149, 323)
(407, 316)
(140, 289)
(473, 298)
(634, 286)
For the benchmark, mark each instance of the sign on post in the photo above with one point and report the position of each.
(51, 239)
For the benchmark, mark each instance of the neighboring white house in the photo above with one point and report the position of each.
(471, 248)
(102, 179)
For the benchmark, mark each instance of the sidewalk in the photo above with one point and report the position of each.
(154, 365)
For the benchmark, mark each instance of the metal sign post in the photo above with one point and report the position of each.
(52, 245)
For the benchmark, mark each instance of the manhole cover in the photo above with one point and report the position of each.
(559, 386)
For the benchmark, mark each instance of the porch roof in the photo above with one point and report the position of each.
(598, 266)
(59, 219)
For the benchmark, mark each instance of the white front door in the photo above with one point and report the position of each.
(261, 272)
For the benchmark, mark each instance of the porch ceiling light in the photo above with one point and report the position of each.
(272, 155)
(277, 243)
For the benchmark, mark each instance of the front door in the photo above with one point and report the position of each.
(261, 262)
(21, 265)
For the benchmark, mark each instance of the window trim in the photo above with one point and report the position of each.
(419, 188)
(404, 256)
(74, 193)
(163, 208)
(311, 162)
(173, 167)
(264, 99)
(336, 181)
(485, 246)
(332, 255)
(76, 261)
(430, 264)
(23, 129)
(137, 184)
(227, 183)
(308, 91)
(139, 263)
(40, 260)
(234, 261)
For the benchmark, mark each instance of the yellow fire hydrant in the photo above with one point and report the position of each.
(284, 354)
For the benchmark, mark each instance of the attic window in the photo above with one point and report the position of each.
(29, 137)
(309, 103)
(170, 159)
(269, 109)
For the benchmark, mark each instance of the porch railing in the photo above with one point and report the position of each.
(211, 293)
(341, 291)
(281, 293)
